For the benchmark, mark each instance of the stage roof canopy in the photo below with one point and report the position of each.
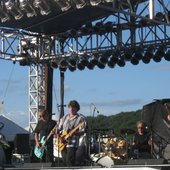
(56, 16)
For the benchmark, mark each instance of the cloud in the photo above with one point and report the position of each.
(19, 117)
(116, 103)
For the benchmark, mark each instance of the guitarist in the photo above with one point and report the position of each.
(43, 128)
(66, 124)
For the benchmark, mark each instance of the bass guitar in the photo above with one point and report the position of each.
(62, 139)
(39, 151)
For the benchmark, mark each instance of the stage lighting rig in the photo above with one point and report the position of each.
(43, 6)
(13, 9)
(26, 6)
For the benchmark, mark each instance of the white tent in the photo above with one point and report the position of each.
(10, 129)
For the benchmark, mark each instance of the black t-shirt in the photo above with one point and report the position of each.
(141, 142)
(44, 128)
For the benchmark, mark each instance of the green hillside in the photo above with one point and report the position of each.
(123, 120)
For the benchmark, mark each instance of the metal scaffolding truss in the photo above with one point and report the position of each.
(128, 28)
(36, 93)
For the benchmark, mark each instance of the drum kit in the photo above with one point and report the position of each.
(111, 150)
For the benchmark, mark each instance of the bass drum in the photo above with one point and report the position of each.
(104, 161)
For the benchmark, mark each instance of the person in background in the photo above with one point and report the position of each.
(43, 128)
(72, 122)
(142, 143)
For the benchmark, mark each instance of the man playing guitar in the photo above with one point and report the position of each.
(44, 127)
(71, 128)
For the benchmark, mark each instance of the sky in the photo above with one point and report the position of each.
(111, 90)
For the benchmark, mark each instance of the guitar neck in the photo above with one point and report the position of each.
(51, 132)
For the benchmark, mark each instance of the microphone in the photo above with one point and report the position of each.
(95, 108)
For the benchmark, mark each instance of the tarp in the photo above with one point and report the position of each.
(10, 128)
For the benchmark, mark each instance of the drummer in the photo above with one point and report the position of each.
(142, 142)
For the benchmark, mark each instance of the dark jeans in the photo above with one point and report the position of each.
(68, 155)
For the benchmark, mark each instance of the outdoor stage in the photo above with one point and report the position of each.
(140, 164)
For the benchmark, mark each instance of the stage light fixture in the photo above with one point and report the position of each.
(63, 65)
(26, 6)
(79, 3)
(73, 33)
(54, 64)
(144, 21)
(83, 61)
(89, 27)
(160, 53)
(108, 26)
(111, 64)
(12, 8)
(113, 59)
(72, 61)
(103, 59)
(101, 66)
(99, 27)
(3, 16)
(167, 55)
(43, 6)
(72, 68)
(109, 0)
(146, 59)
(63, 5)
(121, 62)
(80, 66)
(138, 53)
(134, 61)
(160, 16)
(94, 59)
(148, 55)
(128, 54)
(90, 66)
(95, 2)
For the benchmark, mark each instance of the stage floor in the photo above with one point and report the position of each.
(47, 166)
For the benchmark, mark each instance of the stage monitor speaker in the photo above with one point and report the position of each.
(146, 161)
(22, 144)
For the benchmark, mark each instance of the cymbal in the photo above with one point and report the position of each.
(127, 131)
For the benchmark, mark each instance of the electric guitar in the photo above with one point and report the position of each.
(62, 139)
(39, 151)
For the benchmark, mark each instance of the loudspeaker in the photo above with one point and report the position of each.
(22, 144)
(146, 161)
